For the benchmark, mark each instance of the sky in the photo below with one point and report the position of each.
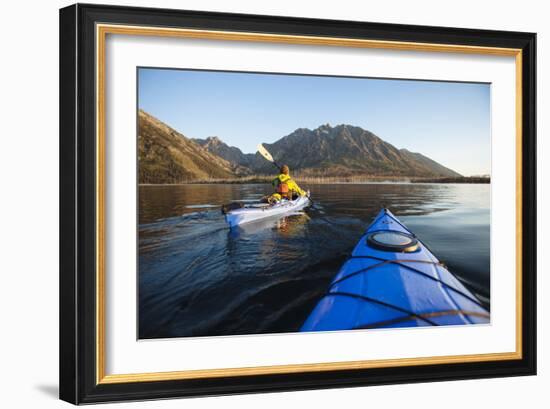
(446, 121)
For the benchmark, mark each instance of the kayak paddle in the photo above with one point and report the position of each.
(263, 151)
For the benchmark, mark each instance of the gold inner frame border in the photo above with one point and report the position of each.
(102, 30)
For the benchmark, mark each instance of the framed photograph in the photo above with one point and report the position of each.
(257, 203)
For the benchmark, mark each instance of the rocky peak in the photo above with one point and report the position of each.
(324, 129)
(214, 140)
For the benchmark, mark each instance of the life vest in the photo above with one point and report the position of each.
(282, 189)
(283, 186)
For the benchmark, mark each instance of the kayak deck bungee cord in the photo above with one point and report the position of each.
(393, 280)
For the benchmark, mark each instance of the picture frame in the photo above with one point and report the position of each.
(83, 181)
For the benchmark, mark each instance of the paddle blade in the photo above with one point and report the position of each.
(263, 151)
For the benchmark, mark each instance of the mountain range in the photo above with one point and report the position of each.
(167, 156)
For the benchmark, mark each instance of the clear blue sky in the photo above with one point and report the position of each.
(448, 122)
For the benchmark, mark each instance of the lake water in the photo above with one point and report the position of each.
(199, 278)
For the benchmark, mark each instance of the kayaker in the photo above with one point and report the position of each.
(285, 187)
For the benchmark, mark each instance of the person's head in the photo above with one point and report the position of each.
(285, 170)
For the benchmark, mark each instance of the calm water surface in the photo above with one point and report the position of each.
(199, 278)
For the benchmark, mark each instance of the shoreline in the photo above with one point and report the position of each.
(328, 181)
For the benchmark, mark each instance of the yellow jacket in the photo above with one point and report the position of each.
(292, 186)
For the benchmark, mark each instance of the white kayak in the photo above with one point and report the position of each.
(254, 212)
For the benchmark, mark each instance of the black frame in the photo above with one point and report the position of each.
(77, 204)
